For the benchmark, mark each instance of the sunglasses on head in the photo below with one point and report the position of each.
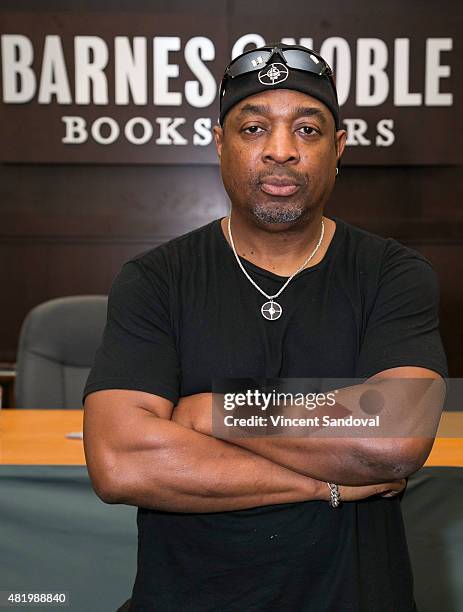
(296, 58)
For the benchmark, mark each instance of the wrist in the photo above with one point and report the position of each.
(316, 489)
(324, 491)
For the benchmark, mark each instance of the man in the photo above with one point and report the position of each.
(276, 290)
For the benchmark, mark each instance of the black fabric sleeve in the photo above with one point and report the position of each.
(138, 348)
(403, 325)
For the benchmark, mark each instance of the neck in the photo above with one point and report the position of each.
(280, 249)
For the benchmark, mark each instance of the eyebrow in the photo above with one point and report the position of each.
(311, 111)
(299, 111)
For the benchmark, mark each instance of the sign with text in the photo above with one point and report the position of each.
(142, 88)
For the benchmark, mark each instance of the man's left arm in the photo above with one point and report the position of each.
(353, 460)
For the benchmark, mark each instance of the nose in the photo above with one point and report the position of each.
(280, 146)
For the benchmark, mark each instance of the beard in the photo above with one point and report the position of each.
(283, 213)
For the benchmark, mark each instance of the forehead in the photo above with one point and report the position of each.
(281, 103)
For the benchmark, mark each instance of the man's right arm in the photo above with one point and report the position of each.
(137, 456)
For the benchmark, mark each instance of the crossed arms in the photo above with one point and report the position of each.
(142, 451)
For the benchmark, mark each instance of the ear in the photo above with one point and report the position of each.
(341, 136)
(218, 139)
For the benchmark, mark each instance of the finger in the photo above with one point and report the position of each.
(392, 492)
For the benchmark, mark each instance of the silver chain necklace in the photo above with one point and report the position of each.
(272, 310)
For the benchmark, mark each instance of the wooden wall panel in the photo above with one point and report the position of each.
(67, 229)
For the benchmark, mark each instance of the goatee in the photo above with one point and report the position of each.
(277, 214)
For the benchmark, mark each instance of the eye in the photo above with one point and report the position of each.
(253, 129)
(308, 130)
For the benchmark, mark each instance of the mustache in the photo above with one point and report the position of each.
(284, 173)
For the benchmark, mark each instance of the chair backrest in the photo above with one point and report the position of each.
(57, 346)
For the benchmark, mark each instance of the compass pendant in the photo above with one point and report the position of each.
(271, 310)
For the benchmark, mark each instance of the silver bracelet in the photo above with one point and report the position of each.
(335, 498)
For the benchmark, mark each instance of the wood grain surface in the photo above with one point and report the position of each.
(38, 437)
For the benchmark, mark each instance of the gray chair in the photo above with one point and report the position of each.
(57, 346)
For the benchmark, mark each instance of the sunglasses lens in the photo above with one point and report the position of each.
(300, 60)
(248, 63)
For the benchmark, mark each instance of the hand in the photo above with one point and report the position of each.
(385, 489)
(194, 412)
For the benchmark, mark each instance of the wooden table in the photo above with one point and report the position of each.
(448, 447)
(38, 437)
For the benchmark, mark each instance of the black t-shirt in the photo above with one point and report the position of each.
(182, 315)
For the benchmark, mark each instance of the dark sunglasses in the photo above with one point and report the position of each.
(299, 59)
